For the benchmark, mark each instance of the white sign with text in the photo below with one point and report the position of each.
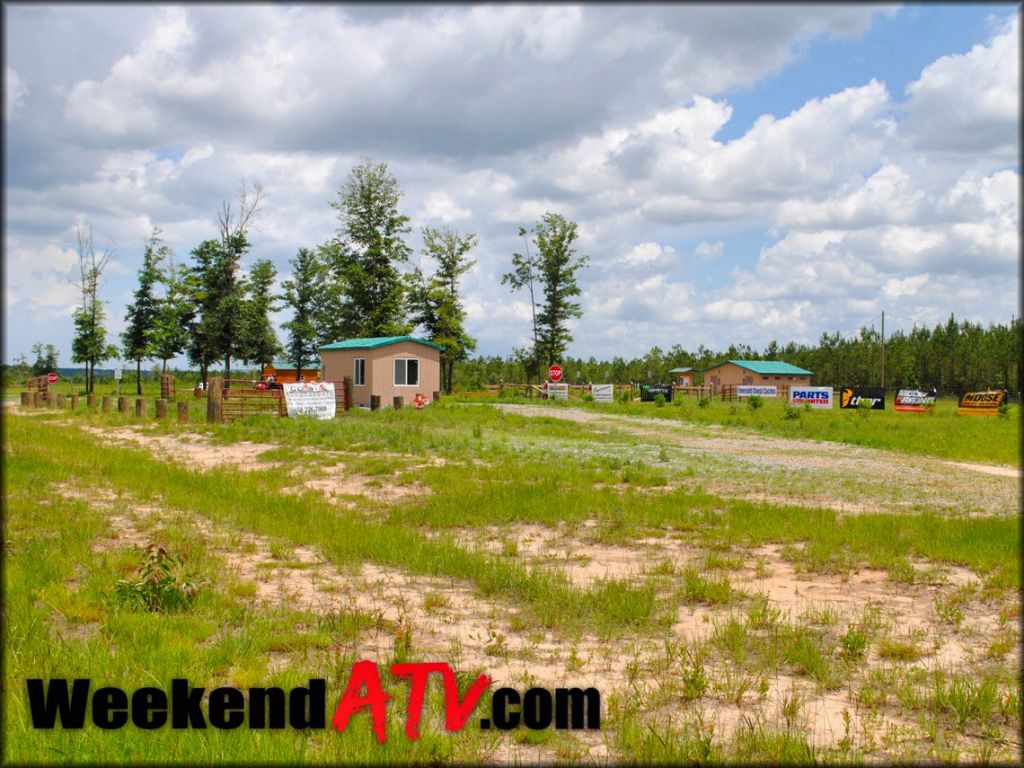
(603, 393)
(310, 398)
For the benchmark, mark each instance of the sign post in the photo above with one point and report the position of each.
(118, 373)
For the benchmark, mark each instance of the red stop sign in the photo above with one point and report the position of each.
(555, 372)
(51, 378)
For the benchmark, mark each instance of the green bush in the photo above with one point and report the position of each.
(754, 402)
(159, 584)
(789, 412)
(659, 400)
(704, 402)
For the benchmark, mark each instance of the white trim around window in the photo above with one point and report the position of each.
(359, 372)
(407, 372)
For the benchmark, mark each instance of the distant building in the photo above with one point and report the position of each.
(284, 371)
(684, 377)
(764, 372)
(385, 366)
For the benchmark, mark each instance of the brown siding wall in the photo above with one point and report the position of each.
(380, 365)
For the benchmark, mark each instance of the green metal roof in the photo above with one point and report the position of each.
(377, 341)
(765, 367)
(289, 365)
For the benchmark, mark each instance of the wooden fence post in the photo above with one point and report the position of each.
(37, 400)
(51, 398)
(161, 408)
(122, 404)
(183, 412)
(213, 400)
(26, 398)
(374, 402)
(140, 407)
(60, 401)
(106, 403)
(347, 384)
(90, 399)
(74, 402)
(398, 402)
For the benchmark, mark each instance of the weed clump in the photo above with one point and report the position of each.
(160, 583)
(755, 402)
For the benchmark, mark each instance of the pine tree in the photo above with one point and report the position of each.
(303, 293)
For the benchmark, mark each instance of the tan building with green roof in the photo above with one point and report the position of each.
(385, 366)
(732, 373)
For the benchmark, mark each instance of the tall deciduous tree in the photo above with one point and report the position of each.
(435, 301)
(175, 314)
(367, 289)
(137, 339)
(89, 344)
(303, 293)
(525, 274)
(555, 237)
(259, 342)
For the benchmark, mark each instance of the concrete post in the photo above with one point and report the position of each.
(161, 408)
(183, 412)
(26, 398)
(90, 399)
(51, 399)
(60, 401)
(122, 404)
(106, 403)
(140, 407)
(74, 402)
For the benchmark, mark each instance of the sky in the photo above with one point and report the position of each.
(739, 173)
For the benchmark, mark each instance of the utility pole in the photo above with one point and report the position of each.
(883, 349)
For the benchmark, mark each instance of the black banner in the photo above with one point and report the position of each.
(851, 397)
(649, 391)
(918, 400)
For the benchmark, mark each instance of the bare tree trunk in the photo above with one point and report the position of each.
(138, 376)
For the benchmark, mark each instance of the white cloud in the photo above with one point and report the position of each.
(970, 103)
(15, 91)
(706, 250)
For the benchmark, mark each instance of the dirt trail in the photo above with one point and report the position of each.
(894, 481)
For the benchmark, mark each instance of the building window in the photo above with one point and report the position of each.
(407, 372)
(360, 372)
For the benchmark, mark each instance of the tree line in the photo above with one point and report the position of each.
(357, 284)
(952, 357)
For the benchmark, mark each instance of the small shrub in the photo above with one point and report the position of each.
(864, 408)
(624, 395)
(659, 400)
(159, 584)
(754, 402)
(694, 681)
(790, 413)
(854, 643)
(587, 397)
(704, 402)
(1003, 410)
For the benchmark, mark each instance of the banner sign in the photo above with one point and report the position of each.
(851, 397)
(310, 398)
(982, 403)
(649, 391)
(558, 391)
(603, 393)
(749, 390)
(915, 400)
(816, 397)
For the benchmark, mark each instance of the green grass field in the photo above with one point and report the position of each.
(726, 607)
